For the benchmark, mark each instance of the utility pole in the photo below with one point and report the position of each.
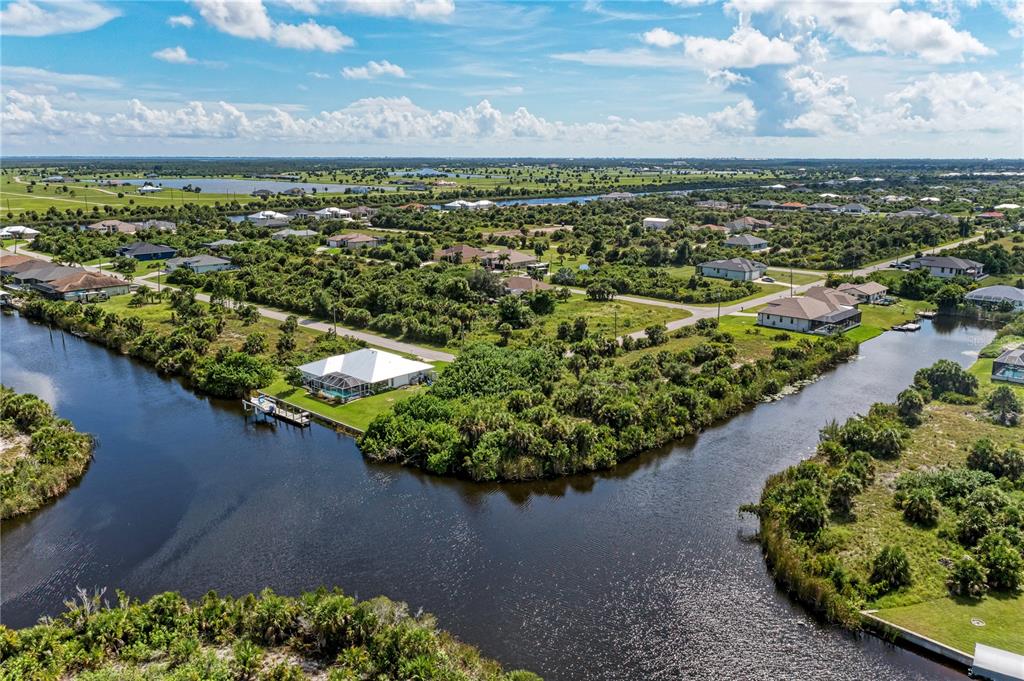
(791, 280)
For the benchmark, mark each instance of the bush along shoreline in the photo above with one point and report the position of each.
(918, 501)
(321, 634)
(41, 455)
(524, 413)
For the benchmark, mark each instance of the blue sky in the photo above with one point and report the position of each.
(748, 78)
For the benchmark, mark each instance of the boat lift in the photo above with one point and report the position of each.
(266, 407)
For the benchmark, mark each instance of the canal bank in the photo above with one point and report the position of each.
(640, 572)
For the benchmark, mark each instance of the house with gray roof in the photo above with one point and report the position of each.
(200, 264)
(747, 241)
(736, 269)
(144, 251)
(947, 267)
(1009, 366)
(995, 296)
(824, 313)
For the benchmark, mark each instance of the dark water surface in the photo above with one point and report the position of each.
(642, 573)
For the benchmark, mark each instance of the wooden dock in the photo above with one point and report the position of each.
(267, 407)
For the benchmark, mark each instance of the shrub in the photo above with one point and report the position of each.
(967, 577)
(890, 569)
(921, 507)
(1002, 560)
(1004, 406)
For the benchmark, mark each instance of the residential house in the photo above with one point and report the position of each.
(363, 372)
(764, 204)
(150, 189)
(414, 207)
(461, 204)
(332, 213)
(354, 241)
(262, 193)
(144, 251)
(159, 225)
(517, 286)
(747, 241)
(947, 267)
(112, 227)
(832, 296)
(363, 212)
(200, 264)
(82, 285)
(297, 233)
(1007, 206)
(791, 205)
(991, 215)
(657, 223)
(809, 314)
(300, 213)
(19, 232)
(461, 253)
(995, 296)
(739, 269)
(221, 243)
(294, 191)
(854, 209)
(1009, 366)
(868, 292)
(506, 258)
(823, 207)
(713, 204)
(745, 224)
(617, 196)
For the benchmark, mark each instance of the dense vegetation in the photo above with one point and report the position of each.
(224, 350)
(322, 634)
(41, 455)
(914, 501)
(531, 412)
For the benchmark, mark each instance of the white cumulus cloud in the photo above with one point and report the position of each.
(373, 69)
(174, 55)
(45, 17)
(874, 26)
(249, 19)
(745, 48)
(409, 9)
(660, 37)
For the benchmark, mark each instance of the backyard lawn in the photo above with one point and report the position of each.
(356, 414)
(799, 278)
(948, 620)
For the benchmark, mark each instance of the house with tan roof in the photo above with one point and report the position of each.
(353, 241)
(868, 292)
(112, 227)
(517, 286)
(821, 313)
(82, 284)
(461, 253)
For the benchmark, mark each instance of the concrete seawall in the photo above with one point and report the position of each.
(952, 655)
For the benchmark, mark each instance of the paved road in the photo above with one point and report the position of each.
(696, 312)
(424, 353)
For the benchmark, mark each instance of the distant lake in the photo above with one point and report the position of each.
(219, 185)
(429, 172)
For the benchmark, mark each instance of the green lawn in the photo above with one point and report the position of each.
(142, 267)
(799, 279)
(887, 316)
(356, 414)
(764, 290)
(948, 621)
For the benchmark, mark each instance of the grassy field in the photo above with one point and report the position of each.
(356, 414)
(603, 318)
(142, 267)
(158, 316)
(925, 606)
(764, 290)
(799, 278)
(949, 620)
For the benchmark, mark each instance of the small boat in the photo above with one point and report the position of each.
(927, 314)
(907, 326)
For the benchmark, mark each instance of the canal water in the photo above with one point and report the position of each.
(645, 572)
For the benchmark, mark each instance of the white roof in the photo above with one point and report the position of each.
(653, 219)
(998, 292)
(19, 229)
(996, 663)
(930, 199)
(333, 211)
(366, 365)
(1007, 206)
(268, 215)
(150, 188)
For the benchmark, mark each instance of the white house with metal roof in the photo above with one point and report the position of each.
(363, 372)
(992, 296)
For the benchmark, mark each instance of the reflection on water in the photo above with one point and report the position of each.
(645, 571)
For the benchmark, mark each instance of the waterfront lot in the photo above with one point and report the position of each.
(356, 414)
